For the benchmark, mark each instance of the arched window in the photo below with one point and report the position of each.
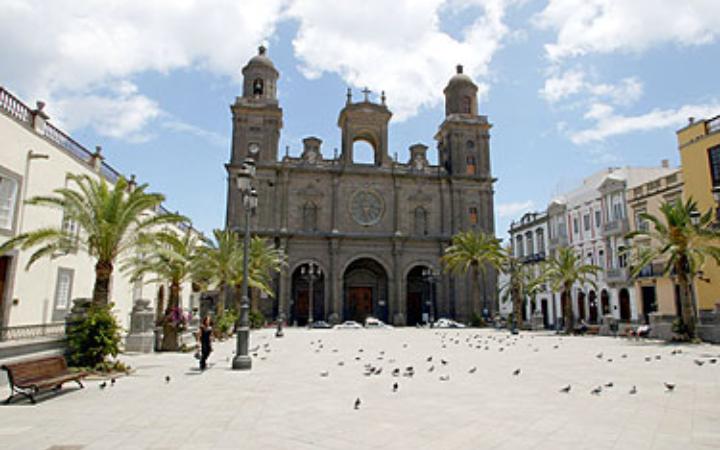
(466, 105)
(471, 165)
(363, 152)
(310, 217)
(258, 87)
(420, 221)
(473, 216)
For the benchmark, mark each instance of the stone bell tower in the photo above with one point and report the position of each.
(365, 121)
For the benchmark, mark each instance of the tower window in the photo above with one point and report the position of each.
(473, 216)
(258, 87)
(465, 105)
(471, 167)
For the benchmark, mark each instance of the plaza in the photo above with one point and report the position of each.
(286, 402)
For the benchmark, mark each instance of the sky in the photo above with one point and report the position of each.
(570, 86)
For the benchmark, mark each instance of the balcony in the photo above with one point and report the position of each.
(535, 257)
(558, 241)
(617, 276)
(616, 227)
(653, 270)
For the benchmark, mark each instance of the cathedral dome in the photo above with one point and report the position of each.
(261, 60)
(460, 78)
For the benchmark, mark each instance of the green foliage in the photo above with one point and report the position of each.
(225, 322)
(477, 321)
(94, 338)
(679, 327)
(257, 319)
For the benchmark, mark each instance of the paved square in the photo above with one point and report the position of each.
(285, 402)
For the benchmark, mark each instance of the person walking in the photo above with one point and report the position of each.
(205, 338)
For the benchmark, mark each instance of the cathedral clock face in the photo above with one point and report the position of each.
(366, 207)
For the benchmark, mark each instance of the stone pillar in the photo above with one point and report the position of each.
(396, 302)
(284, 287)
(334, 278)
(141, 337)
(536, 322)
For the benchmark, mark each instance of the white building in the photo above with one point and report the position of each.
(35, 159)
(593, 220)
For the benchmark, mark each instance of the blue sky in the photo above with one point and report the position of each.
(571, 86)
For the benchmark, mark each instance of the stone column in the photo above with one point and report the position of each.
(334, 278)
(141, 337)
(284, 288)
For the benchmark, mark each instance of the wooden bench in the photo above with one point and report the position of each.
(29, 377)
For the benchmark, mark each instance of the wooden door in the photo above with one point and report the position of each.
(302, 306)
(360, 300)
(414, 308)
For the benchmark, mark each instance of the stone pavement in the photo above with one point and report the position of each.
(284, 402)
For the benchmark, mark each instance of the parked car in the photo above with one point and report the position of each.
(448, 323)
(348, 325)
(372, 322)
(321, 324)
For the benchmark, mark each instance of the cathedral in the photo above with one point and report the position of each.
(365, 238)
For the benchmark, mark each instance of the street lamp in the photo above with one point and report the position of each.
(695, 217)
(245, 175)
(430, 277)
(311, 272)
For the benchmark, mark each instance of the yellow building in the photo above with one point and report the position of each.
(655, 293)
(699, 145)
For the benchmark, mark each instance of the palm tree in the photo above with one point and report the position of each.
(217, 263)
(110, 222)
(565, 269)
(265, 260)
(522, 283)
(683, 245)
(473, 251)
(171, 258)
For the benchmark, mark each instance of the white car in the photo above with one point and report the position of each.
(448, 323)
(348, 325)
(372, 322)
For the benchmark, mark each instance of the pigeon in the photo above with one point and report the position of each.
(647, 359)
(431, 368)
(566, 389)
(324, 373)
(633, 391)
(599, 355)
(609, 385)
(396, 372)
(395, 387)
(341, 363)
(472, 369)
(501, 349)
(669, 386)
(444, 363)
(103, 385)
(335, 350)
(378, 371)
(713, 360)
(555, 347)
(624, 355)
(112, 381)
(444, 377)
(516, 372)
(429, 358)
(167, 378)
(596, 391)
(657, 357)
(357, 403)
(609, 360)
(699, 363)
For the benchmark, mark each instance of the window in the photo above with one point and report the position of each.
(540, 240)
(576, 228)
(8, 200)
(640, 222)
(617, 211)
(598, 219)
(714, 155)
(586, 222)
(258, 87)
(519, 249)
(420, 221)
(529, 243)
(654, 185)
(601, 258)
(622, 257)
(466, 105)
(473, 216)
(590, 258)
(471, 165)
(72, 231)
(63, 288)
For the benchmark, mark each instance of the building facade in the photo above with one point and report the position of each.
(35, 159)
(699, 146)
(529, 245)
(374, 229)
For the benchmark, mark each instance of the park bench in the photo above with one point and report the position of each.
(29, 377)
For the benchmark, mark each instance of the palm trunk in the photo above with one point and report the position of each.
(170, 332)
(476, 292)
(517, 307)
(101, 290)
(567, 309)
(254, 299)
(688, 307)
(220, 305)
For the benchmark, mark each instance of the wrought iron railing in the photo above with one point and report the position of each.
(14, 107)
(32, 331)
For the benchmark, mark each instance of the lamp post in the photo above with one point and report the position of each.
(311, 271)
(695, 217)
(431, 278)
(242, 360)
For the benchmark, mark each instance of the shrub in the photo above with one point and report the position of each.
(94, 338)
(225, 322)
(257, 319)
(680, 329)
(477, 320)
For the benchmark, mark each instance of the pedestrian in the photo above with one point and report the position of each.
(205, 339)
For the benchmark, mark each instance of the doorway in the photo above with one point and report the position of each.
(365, 291)
(649, 301)
(624, 297)
(359, 303)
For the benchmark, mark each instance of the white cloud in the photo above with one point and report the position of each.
(211, 137)
(510, 210)
(574, 82)
(608, 123)
(605, 26)
(396, 46)
(70, 52)
(559, 87)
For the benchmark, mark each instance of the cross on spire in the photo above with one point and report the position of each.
(367, 92)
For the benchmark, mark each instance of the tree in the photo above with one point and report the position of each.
(682, 245)
(565, 269)
(171, 258)
(217, 263)
(109, 222)
(522, 283)
(473, 251)
(265, 260)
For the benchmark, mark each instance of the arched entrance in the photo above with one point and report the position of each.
(592, 302)
(300, 291)
(605, 302)
(581, 305)
(417, 295)
(624, 297)
(365, 291)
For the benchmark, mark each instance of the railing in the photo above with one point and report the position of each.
(32, 331)
(617, 226)
(535, 257)
(616, 275)
(713, 125)
(14, 107)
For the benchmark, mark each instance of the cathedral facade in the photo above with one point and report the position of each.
(375, 231)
